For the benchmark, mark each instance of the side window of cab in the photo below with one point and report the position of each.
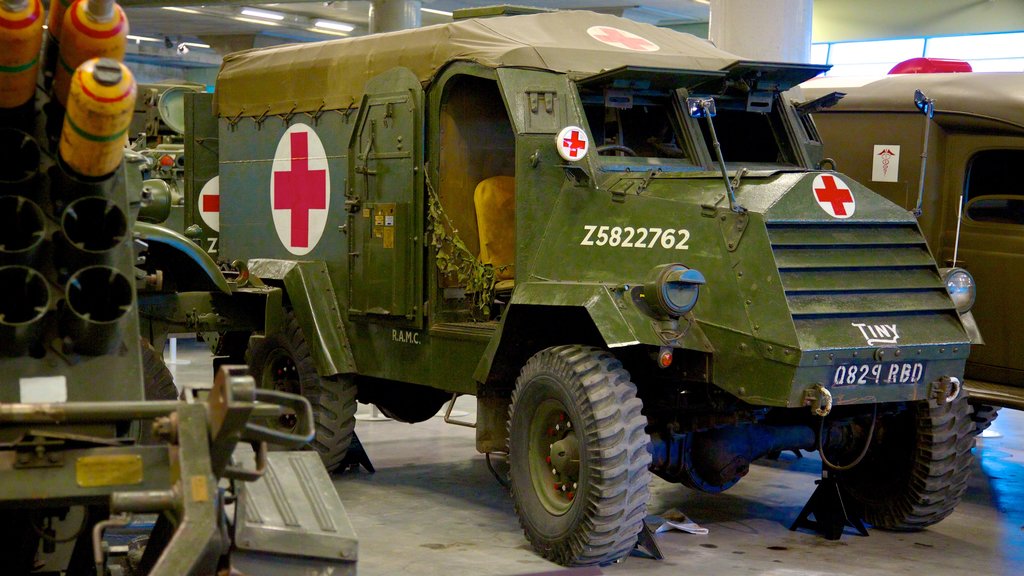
(990, 193)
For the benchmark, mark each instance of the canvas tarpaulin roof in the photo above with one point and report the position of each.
(330, 75)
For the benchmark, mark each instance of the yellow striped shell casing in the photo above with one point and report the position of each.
(55, 19)
(99, 109)
(91, 29)
(21, 36)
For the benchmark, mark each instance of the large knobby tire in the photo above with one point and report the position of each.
(916, 471)
(282, 361)
(983, 415)
(578, 401)
(157, 379)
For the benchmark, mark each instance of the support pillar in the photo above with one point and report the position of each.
(770, 30)
(391, 15)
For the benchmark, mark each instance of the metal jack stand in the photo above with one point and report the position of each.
(646, 545)
(831, 514)
(356, 457)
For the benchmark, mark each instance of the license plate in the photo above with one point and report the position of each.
(878, 373)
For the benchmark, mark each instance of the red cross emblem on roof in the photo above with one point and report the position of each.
(572, 143)
(621, 39)
(834, 196)
(299, 189)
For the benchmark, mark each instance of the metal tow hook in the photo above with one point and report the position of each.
(946, 389)
(819, 399)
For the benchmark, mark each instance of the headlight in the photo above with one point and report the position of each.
(960, 285)
(672, 289)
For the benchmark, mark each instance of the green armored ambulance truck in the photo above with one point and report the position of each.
(614, 235)
(973, 212)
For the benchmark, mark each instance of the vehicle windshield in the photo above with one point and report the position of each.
(635, 125)
(751, 130)
(641, 122)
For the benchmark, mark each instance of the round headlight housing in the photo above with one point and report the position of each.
(672, 290)
(961, 288)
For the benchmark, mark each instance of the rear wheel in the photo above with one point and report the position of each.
(916, 470)
(157, 379)
(282, 361)
(578, 456)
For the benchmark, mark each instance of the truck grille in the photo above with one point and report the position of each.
(834, 270)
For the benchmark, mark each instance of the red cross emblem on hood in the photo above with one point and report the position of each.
(834, 196)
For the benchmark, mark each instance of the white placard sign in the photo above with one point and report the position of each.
(44, 389)
(885, 163)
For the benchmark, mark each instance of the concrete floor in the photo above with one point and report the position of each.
(434, 508)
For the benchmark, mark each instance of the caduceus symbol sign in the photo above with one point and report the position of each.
(886, 155)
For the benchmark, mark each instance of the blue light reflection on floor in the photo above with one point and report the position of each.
(1001, 460)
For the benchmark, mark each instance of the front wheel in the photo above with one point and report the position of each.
(578, 456)
(916, 469)
(282, 361)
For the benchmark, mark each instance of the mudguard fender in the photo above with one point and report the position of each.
(309, 289)
(152, 233)
(617, 320)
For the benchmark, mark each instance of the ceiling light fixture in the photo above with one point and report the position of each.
(702, 1)
(255, 21)
(433, 11)
(332, 25)
(141, 39)
(265, 14)
(325, 31)
(195, 44)
(183, 10)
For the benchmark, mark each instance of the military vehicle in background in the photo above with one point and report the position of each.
(158, 128)
(973, 214)
(90, 444)
(615, 235)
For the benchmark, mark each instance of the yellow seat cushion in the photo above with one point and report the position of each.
(495, 203)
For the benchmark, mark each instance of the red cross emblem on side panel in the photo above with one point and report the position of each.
(209, 203)
(300, 189)
(834, 196)
(572, 143)
(621, 39)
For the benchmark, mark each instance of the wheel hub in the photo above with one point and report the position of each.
(555, 456)
(565, 456)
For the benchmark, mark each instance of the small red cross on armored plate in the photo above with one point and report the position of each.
(209, 203)
(834, 196)
(622, 39)
(572, 143)
(300, 189)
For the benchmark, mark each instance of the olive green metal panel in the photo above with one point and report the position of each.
(385, 168)
(63, 481)
(990, 251)
(201, 145)
(993, 252)
(309, 289)
(247, 153)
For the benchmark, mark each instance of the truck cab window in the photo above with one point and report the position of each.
(749, 137)
(989, 194)
(628, 122)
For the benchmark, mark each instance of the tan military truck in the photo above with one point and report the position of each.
(973, 208)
